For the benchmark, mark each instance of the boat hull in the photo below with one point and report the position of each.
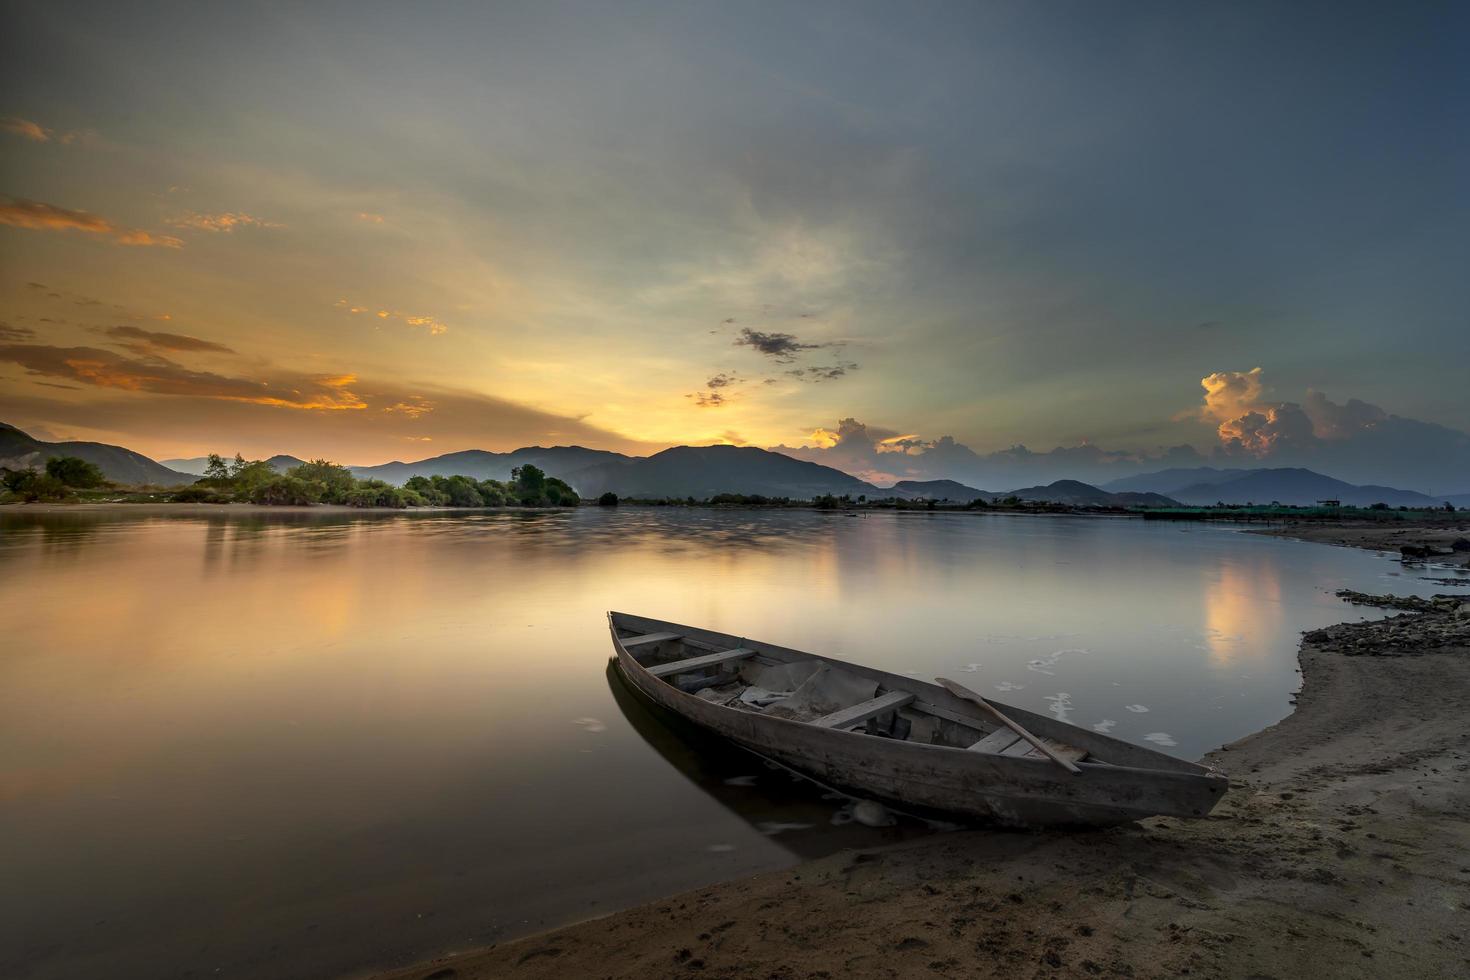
(939, 780)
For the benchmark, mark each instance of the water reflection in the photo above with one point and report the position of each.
(801, 816)
(244, 742)
(1242, 606)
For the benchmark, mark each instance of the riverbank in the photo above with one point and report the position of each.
(1433, 540)
(190, 510)
(1340, 851)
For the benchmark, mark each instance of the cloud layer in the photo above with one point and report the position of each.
(40, 216)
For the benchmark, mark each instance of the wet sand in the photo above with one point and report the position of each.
(1342, 850)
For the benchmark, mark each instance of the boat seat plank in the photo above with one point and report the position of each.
(1069, 752)
(638, 641)
(997, 741)
(1024, 749)
(699, 663)
(859, 713)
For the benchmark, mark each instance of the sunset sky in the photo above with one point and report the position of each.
(378, 231)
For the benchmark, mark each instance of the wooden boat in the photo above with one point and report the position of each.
(918, 747)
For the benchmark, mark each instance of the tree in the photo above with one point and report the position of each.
(285, 490)
(75, 472)
(530, 479)
(31, 486)
(608, 499)
(217, 469)
(459, 491)
(336, 481)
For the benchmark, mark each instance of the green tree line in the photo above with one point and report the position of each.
(322, 482)
(63, 476)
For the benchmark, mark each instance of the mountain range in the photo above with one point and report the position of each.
(19, 451)
(1289, 485)
(704, 471)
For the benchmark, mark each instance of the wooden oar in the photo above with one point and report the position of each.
(960, 691)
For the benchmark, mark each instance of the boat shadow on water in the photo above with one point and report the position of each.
(796, 813)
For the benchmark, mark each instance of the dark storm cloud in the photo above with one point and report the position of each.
(781, 346)
(821, 373)
(9, 332)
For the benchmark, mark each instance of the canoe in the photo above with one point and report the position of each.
(915, 746)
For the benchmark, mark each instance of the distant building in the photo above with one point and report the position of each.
(1329, 503)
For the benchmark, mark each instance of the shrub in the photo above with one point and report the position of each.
(32, 486)
(199, 493)
(285, 491)
(336, 481)
(376, 493)
(75, 472)
(561, 493)
(608, 499)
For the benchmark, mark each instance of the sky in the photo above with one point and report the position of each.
(1142, 233)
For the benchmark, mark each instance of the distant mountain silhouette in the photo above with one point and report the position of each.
(1300, 487)
(1079, 494)
(1167, 481)
(195, 466)
(557, 461)
(19, 451)
(937, 490)
(704, 471)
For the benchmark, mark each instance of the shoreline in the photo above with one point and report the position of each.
(1339, 851)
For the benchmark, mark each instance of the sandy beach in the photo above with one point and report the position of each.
(1339, 852)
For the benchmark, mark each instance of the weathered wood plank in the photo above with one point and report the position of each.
(637, 641)
(859, 713)
(1069, 752)
(997, 741)
(699, 663)
(960, 691)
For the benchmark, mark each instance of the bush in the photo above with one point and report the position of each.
(376, 493)
(75, 472)
(198, 493)
(608, 499)
(32, 486)
(336, 481)
(285, 491)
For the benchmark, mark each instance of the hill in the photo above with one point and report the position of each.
(557, 461)
(1078, 494)
(195, 465)
(1167, 481)
(1300, 487)
(19, 451)
(704, 471)
(937, 490)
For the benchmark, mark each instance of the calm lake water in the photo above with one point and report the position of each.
(301, 746)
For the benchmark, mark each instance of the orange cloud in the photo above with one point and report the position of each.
(159, 375)
(433, 325)
(226, 221)
(26, 128)
(40, 216)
